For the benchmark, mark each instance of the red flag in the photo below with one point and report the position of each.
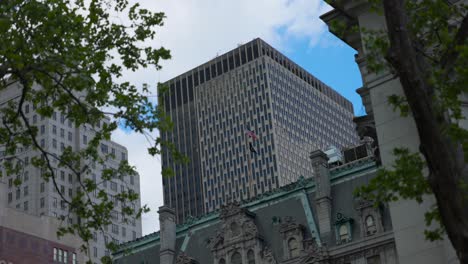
(251, 134)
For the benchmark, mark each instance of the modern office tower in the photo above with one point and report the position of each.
(251, 88)
(38, 197)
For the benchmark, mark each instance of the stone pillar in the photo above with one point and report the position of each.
(167, 235)
(322, 190)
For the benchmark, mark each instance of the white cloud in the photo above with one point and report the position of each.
(196, 31)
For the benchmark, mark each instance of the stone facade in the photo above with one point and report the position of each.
(382, 122)
(290, 225)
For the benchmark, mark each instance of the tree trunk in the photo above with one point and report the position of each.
(444, 157)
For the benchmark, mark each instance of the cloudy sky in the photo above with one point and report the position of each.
(197, 30)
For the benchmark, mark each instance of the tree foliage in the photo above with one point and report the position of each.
(424, 44)
(66, 58)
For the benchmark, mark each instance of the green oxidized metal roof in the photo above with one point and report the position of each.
(299, 189)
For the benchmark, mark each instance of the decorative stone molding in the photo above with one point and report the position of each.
(341, 222)
(267, 256)
(182, 258)
(366, 208)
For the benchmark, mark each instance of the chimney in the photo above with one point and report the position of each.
(322, 190)
(167, 234)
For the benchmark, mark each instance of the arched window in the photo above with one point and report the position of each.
(344, 233)
(293, 246)
(236, 258)
(222, 261)
(370, 225)
(250, 257)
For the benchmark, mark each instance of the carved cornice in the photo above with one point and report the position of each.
(183, 258)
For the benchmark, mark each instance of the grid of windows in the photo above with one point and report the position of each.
(253, 87)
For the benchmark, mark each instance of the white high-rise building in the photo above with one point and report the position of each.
(38, 197)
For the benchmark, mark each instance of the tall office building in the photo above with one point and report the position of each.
(251, 88)
(38, 197)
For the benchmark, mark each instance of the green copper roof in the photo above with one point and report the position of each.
(298, 189)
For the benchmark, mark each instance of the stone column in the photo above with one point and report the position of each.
(167, 234)
(322, 190)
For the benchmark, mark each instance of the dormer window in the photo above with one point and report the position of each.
(370, 225)
(343, 228)
(293, 246)
(344, 233)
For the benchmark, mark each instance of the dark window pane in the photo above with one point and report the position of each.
(231, 62)
(237, 58)
(213, 70)
(190, 88)
(195, 79)
(255, 50)
(207, 73)
(173, 100)
(244, 58)
(167, 98)
(184, 91)
(219, 69)
(202, 76)
(179, 93)
(225, 66)
(249, 53)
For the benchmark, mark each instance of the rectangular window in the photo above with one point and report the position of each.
(65, 256)
(202, 76)
(219, 69)
(178, 93)
(195, 79)
(62, 133)
(42, 187)
(124, 231)
(115, 229)
(231, 62)
(70, 136)
(54, 130)
(85, 140)
(104, 148)
(113, 186)
(26, 207)
(26, 190)
(42, 202)
(243, 57)
(207, 74)
(225, 65)
(132, 180)
(55, 254)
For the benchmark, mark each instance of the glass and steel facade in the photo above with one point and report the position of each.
(253, 87)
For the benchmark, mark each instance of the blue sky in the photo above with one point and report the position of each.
(332, 63)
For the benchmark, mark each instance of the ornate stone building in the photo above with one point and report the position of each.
(316, 220)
